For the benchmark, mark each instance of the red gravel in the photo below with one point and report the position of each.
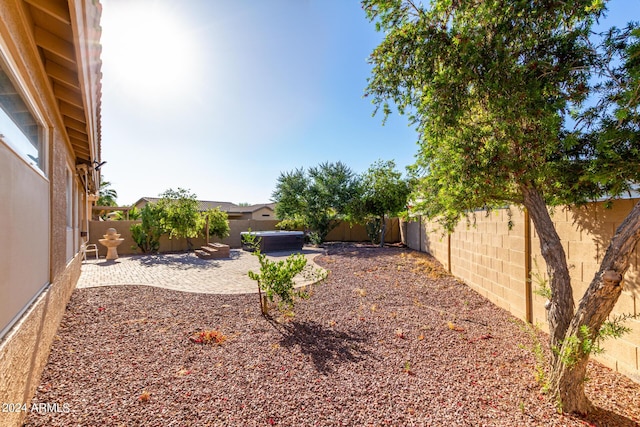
(388, 339)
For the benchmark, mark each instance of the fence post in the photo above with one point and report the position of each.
(527, 268)
(420, 233)
(449, 252)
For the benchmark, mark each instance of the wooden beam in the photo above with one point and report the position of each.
(62, 75)
(71, 111)
(80, 147)
(57, 9)
(82, 136)
(54, 44)
(77, 125)
(68, 95)
(82, 155)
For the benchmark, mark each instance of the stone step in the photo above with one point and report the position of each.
(203, 254)
(208, 249)
(220, 250)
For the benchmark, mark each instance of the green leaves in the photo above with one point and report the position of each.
(383, 193)
(317, 198)
(276, 277)
(489, 86)
(181, 217)
(107, 195)
(147, 234)
(178, 215)
(218, 223)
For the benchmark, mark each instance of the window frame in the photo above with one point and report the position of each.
(21, 87)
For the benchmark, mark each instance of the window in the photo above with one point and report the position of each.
(18, 127)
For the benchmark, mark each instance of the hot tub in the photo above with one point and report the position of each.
(275, 241)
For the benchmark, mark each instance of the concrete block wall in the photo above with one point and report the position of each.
(494, 260)
(585, 233)
(487, 256)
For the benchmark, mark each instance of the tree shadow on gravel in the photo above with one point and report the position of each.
(358, 250)
(605, 417)
(183, 261)
(326, 347)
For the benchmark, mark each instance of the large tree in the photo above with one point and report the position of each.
(181, 217)
(317, 198)
(489, 85)
(383, 194)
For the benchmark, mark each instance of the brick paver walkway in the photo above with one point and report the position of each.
(184, 272)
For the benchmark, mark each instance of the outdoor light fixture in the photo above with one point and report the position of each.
(97, 165)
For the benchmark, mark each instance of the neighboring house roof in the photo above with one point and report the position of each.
(205, 205)
(252, 208)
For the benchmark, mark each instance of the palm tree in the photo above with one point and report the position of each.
(108, 195)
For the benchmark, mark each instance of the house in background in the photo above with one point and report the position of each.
(49, 175)
(264, 211)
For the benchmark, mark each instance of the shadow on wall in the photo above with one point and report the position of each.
(423, 236)
(597, 223)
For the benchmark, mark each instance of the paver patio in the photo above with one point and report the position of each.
(185, 271)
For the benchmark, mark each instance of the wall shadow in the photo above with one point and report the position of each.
(600, 223)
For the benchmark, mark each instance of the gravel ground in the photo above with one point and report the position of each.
(388, 339)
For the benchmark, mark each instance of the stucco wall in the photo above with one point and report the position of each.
(34, 215)
(263, 214)
(97, 229)
(491, 258)
(25, 349)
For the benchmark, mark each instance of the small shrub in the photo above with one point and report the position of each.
(208, 337)
(276, 279)
(250, 241)
(315, 238)
(144, 396)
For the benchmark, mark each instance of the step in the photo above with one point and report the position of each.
(203, 254)
(208, 249)
(220, 250)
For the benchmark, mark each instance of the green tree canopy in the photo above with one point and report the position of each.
(489, 86)
(147, 233)
(383, 194)
(107, 195)
(181, 217)
(218, 223)
(317, 198)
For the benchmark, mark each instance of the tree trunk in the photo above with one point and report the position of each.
(383, 230)
(561, 307)
(568, 360)
(599, 299)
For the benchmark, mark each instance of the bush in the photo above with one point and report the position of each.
(218, 223)
(276, 278)
(147, 234)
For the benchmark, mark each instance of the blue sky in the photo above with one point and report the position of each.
(221, 96)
